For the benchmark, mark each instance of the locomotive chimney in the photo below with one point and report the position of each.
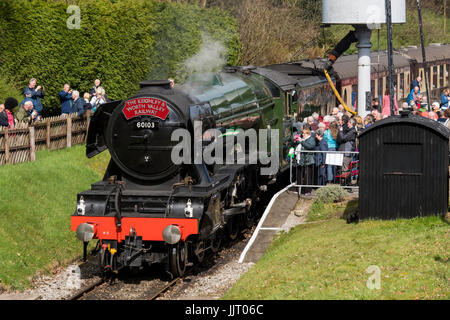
(163, 84)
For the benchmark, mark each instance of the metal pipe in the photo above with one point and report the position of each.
(364, 92)
(419, 10)
(117, 206)
(336, 93)
(390, 53)
(85, 244)
(340, 48)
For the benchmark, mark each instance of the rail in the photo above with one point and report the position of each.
(312, 169)
(344, 170)
(261, 222)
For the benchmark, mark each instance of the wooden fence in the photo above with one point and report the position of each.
(21, 143)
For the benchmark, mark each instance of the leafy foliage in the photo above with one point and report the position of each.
(331, 193)
(8, 90)
(274, 31)
(120, 42)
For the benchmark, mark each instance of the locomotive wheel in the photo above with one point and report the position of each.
(250, 218)
(216, 242)
(178, 259)
(252, 213)
(233, 227)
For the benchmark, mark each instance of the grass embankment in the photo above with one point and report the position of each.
(36, 201)
(329, 259)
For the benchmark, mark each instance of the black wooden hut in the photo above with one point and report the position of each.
(403, 168)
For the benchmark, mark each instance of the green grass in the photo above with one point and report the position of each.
(323, 211)
(36, 201)
(329, 259)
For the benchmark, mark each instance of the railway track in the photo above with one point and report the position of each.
(84, 293)
(164, 289)
(80, 294)
(99, 284)
(155, 286)
(103, 288)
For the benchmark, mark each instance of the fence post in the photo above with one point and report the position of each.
(32, 144)
(48, 135)
(69, 132)
(6, 145)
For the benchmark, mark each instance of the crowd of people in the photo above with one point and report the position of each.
(335, 132)
(30, 108)
(72, 102)
(338, 131)
(418, 103)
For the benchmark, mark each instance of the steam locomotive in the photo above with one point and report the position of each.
(149, 210)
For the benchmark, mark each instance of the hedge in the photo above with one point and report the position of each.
(8, 90)
(120, 42)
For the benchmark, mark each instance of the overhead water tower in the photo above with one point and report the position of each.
(364, 16)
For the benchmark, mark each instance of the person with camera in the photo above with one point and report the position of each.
(34, 94)
(98, 99)
(26, 113)
(65, 97)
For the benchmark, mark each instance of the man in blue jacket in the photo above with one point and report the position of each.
(445, 98)
(65, 96)
(78, 103)
(413, 95)
(34, 94)
(416, 83)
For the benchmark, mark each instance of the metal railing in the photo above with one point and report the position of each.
(312, 169)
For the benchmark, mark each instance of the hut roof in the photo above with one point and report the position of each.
(409, 118)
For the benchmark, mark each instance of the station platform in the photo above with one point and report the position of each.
(286, 212)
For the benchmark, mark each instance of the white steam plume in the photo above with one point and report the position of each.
(211, 57)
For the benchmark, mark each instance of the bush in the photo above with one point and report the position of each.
(331, 193)
(120, 42)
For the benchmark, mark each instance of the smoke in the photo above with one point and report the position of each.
(197, 71)
(211, 57)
